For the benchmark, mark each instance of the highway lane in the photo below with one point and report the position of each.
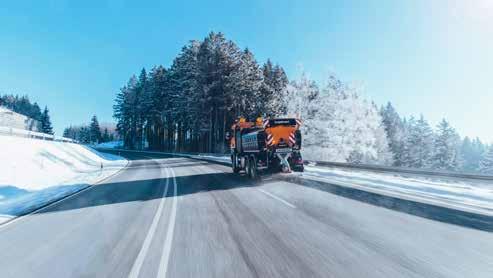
(212, 223)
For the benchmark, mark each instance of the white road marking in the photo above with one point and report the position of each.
(134, 273)
(277, 198)
(163, 264)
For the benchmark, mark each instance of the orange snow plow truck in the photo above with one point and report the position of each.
(266, 144)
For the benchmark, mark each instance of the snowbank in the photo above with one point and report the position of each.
(36, 172)
(470, 195)
(212, 157)
(465, 194)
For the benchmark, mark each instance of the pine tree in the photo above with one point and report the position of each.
(248, 81)
(94, 131)
(446, 147)
(279, 84)
(338, 125)
(486, 162)
(394, 127)
(69, 133)
(472, 152)
(271, 90)
(45, 122)
(84, 136)
(182, 100)
(35, 112)
(106, 136)
(419, 144)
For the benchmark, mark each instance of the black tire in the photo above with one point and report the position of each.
(253, 168)
(248, 169)
(234, 164)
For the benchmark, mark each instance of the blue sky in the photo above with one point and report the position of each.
(426, 57)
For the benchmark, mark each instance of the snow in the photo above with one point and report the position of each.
(465, 194)
(9, 118)
(36, 172)
(218, 158)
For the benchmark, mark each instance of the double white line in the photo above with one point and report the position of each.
(163, 265)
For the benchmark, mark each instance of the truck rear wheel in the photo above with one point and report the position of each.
(234, 164)
(253, 167)
(247, 167)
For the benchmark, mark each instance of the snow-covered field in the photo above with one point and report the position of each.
(36, 172)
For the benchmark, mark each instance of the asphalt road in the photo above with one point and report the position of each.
(177, 217)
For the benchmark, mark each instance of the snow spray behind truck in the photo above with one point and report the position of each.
(266, 144)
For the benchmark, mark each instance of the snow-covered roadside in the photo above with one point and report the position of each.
(218, 158)
(466, 194)
(34, 173)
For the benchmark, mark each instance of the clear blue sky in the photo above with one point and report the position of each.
(429, 57)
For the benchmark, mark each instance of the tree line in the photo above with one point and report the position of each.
(22, 105)
(190, 105)
(91, 133)
(415, 143)
(339, 125)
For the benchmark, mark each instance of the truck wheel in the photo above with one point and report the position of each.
(248, 168)
(253, 168)
(234, 164)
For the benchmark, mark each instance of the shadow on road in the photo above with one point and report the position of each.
(139, 190)
(149, 189)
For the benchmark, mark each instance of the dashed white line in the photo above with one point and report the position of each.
(134, 273)
(163, 265)
(277, 198)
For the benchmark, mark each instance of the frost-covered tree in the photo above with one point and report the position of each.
(338, 125)
(247, 81)
(472, 152)
(446, 148)
(395, 130)
(299, 102)
(419, 144)
(486, 162)
(299, 96)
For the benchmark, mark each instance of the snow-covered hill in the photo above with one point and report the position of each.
(36, 172)
(9, 118)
